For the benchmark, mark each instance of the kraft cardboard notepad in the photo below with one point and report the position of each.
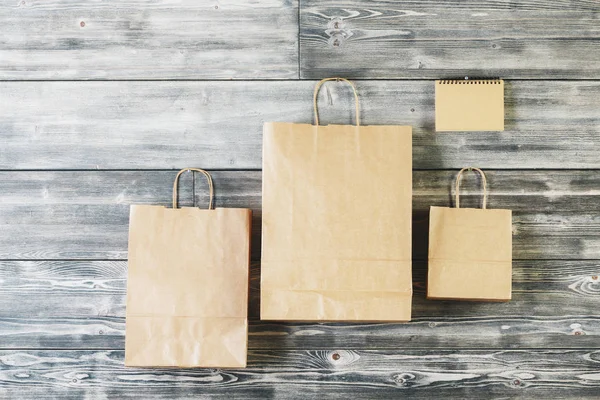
(469, 105)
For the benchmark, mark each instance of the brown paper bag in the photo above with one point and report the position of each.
(336, 224)
(470, 251)
(187, 287)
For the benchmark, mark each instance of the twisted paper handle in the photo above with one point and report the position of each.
(337, 80)
(208, 178)
(457, 185)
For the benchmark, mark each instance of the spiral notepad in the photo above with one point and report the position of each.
(469, 105)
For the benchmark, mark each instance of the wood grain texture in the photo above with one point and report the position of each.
(218, 125)
(65, 215)
(132, 39)
(554, 304)
(332, 373)
(105, 100)
(85, 214)
(432, 39)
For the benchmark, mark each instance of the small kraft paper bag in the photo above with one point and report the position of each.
(470, 251)
(187, 286)
(336, 224)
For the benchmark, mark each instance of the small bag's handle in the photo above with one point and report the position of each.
(208, 178)
(483, 182)
(337, 80)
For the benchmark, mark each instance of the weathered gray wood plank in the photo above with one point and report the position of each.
(415, 39)
(545, 191)
(85, 215)
(554, 212)
(218, 125)
(331, 373)
(554, 305)
(66, 215)
(62, 39)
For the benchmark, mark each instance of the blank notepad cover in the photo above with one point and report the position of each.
(476, 105)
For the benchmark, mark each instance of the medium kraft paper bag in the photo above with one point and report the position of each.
(187, 286)
(470, 251)
(336, 224)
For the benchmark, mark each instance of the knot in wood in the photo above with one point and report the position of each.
(342, 357)
(336, 23)
(403, 379)
(337, 32)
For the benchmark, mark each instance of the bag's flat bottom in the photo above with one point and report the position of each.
(382, 321)
(489, 300)
(128, 365)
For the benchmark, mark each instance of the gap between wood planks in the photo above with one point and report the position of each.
(288, 80)
(259, 170)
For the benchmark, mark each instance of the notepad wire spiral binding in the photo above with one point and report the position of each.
(482, 81)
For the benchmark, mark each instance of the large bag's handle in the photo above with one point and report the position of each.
(337, 80)
(208, 178)
(483, 182)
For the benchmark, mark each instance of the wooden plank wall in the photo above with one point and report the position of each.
(103, 101)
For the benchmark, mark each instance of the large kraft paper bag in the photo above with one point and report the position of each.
(470, 251)
(187, 287)
(336, 224)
